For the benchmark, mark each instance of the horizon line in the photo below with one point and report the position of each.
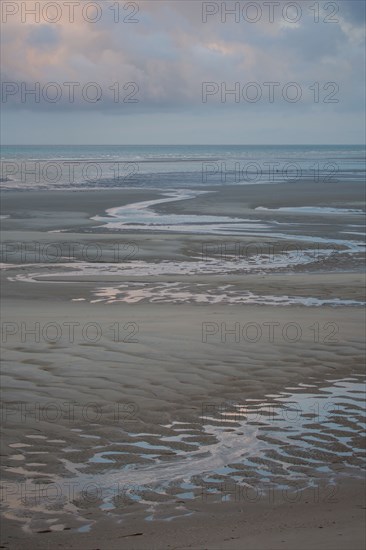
(178, 144)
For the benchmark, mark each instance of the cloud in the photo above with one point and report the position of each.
(353, 11)
(43, 37)
(170, 52)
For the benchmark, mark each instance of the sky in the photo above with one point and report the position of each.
(183, 72)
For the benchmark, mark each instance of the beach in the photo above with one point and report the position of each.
(195, 390)
(182, 269)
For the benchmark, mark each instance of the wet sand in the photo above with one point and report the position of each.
(104, 401)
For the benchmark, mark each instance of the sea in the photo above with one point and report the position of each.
(25, 167)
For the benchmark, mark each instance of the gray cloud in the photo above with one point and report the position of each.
(353, 10)
(44, 36)
(170, 52)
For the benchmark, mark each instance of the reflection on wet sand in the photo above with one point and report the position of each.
(290, 440)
